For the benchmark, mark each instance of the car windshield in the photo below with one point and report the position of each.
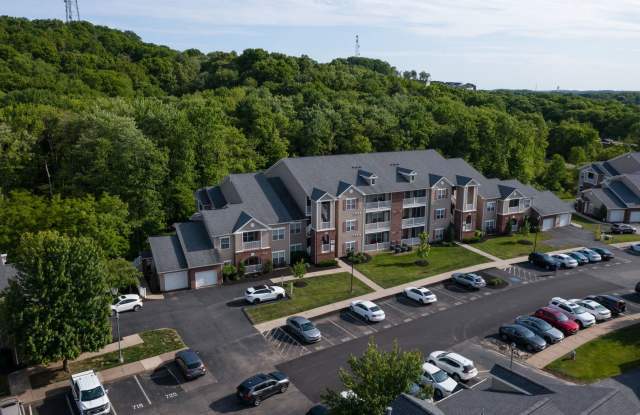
(440, 376)
(115, 301)
(193, 365)
(374, 308)
(527, 334)
(92, 394)
(308, 326)
(561, 317)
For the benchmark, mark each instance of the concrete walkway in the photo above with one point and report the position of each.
(328, 271)
(552, 353)
(342, 267)
(478, 251)
(347, 268)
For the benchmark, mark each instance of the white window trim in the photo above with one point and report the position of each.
(279, 231)
(281, 253)
(346, 244)
(441, 193)
(440, 232)
(350, 225)
(487, 222)
(491, 206)
(444, 213)
(296, 250)
(347, 203)
(228, 239)
(295, 226)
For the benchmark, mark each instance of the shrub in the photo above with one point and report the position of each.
(358, 257)
(450, 234)
(326, 263)
(496, 282)
(472, 240)
(525, 242)
(240, 271)
(296, 256)
(267, 267)
(229, 272)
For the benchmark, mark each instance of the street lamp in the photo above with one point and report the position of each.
(351, 276)
(120, 358)
(512, 345)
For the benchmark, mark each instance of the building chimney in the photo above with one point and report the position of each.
(3, 259)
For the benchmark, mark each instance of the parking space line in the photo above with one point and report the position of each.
(66, 397)
(113, 409)
(142, 389)
(343, 329)
(397, 308)
(325, 338)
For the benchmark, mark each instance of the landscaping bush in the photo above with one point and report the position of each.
(472, 240)
(326, 263)
(525, 242)
(267, 267)
(229, 273)
(240, 271)
(296, 256)
(496, 282)
(358, 258)
(422, 262)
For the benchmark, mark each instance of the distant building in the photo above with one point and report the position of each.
(458, 85)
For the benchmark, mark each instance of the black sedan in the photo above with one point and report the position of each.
(523, 337)
(605, 254)
(544, 261)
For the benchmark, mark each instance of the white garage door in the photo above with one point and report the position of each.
(176, 280)
(634, 217)
(616, 215)
(547, 223)
(565, 219)
(206, 278)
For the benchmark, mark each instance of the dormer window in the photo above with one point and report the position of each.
(369, 177)
(372, 180)
(408, 174)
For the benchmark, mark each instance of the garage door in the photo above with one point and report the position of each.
(616, 215)
(565, 219)
(176, 281)
(547, 223)
(206, 278)
(634, 217)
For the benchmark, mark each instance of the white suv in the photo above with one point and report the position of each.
(127, 302)
(260, 293)
(459, 367)
(89, 395)
(573, 311)
(442, 384)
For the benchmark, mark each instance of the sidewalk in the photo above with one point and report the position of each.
(478, 251)
(541, 359)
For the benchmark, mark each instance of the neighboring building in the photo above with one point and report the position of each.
(326, 206)
(610, 190)
(7, 272)
(458, 85)
(406, 404)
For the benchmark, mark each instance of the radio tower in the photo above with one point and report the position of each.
(357, 46)
(71, 10)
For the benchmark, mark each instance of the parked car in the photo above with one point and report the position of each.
(469, 280)
(635, 248)
(458, 367)
(622, 228)
(544, 261)
(303, 329)
(574, 311)
(597, 310)
(126, 302)
(558, 320)
(368, 310)
(88, 394)
(592, 256)
(318, 409)
(421, 295)
(12, 406)
(190, 364)
(540, 327)
(522, 336)
(604, 253)
(579, 257)
(442, 384)
(261, 386)
(565, 260)
(615, 304)
(260, 293)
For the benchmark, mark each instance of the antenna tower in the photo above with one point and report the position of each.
(357, 45)
(72, 13)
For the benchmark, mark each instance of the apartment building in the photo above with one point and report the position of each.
(327, 206)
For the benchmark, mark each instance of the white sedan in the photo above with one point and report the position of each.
(126, 302)
(260, 293)
(368, 310)
(421, 295)
(596, 309)
(566, 260)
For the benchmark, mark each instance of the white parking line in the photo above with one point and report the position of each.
(328, 341)
(142, 389)
(397, 308)
(113, 409)
(343, 329)
(442, 290)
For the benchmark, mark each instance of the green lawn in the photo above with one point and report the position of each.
(607, 356)
(592, 226)
(156, 342)
(319, 291)
(506, 247)
(389, 270)
(586, 224)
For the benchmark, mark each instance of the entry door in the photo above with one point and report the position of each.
(206, 278)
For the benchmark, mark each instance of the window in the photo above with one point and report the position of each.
(350, 246)
(590, 175)
(350, 204)
(278, 258)
(440, 213)
(527, 203)
(295, 227)
(308, 207)
(442, 194)
(277, 234)
(350, 225)
(325, 211)
(513, 203)
(250, 236)
(438, 234)
(296, 247)
(372, 181)
(225, 243)
(490, 225)
(491, 206)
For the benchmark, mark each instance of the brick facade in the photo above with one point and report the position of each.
(395, 233)
(263, 254)
(503, 223)
(316, 247)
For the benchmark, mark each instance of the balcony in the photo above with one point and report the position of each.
(252, 269)
(383, 204)
(469, 206)
(411, 222)
(515, 209)
(414, 201)
(247, 246)
(411, 241)
(377, 226)
(467, 227)
(381, 246)
(325, 225)
(325, 248)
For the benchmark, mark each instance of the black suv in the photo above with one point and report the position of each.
(545, 261)
(615, 304)
(259, 387)
(622, 228)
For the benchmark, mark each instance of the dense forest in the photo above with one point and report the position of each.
(104, 135)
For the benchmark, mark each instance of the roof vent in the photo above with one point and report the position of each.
(3, 259)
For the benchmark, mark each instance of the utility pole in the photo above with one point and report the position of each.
(71, 11)
(357, 45)
(120, 358)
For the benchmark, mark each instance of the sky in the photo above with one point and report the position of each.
(529, 44)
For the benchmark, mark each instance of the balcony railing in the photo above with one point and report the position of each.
(381, 246)
(377, 226)
(515, 209)
(411, 222)
(466, 227)
(383, 204)
(325, 248)
(413, 201)
(411, 241)
(325, 225)
(250, 269)
(252, 245)
(469, 206)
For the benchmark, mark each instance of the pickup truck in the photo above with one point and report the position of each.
(89, 394)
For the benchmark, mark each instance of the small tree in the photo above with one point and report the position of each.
(267, 267)
(240, 270)
(526, 227)
(376, 378)
(597, 233)
(121, 274)
(229, 272)
(423, 249)
(298, 269)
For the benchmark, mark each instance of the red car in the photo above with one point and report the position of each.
(557, 320)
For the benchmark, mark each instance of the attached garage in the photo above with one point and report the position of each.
(634, 217)
(615, 216)
(564, 219)
(548, 223)
(206, 278)
(175, 281)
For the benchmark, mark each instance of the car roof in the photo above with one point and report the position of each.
(608, 297)
(254, 380)
(550, 310)
(88, 381)
(457, 357)
(189, 356)
(560, 255)
(259, 287)
(429, 368)
(278, 375)
(299, 319)
(129, 296)
(366, 303)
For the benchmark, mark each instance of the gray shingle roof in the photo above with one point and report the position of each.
(167, 253)
(196, 244)
(628, 196)
(409, 405)
(606, 196)
(546, 203)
